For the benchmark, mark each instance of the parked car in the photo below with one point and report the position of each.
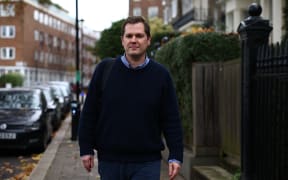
(66, 95)
(53, 105)
(25, 120)
(58, 93)
(66, 86)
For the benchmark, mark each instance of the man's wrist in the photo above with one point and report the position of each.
(174, 161)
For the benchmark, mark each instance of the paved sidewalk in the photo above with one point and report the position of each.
(61, 160)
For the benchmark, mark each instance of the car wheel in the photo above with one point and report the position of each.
(45, 139)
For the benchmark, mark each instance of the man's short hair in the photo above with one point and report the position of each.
(134, 20)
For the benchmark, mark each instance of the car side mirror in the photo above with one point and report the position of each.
(56, 100)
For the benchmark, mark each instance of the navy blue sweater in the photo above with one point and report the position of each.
(126, 121)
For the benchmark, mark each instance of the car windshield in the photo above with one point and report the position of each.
(57, 91)
(19, 100)
(48, 95)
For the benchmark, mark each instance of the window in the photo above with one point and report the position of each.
(50, 41)
(152, 11)
(41, 38)
(58, 25)
(63, 44)
(36, 35)
(55, 41)
(7, 52)
(50, 19)
(36, 55)
(174, 8)
(46, 21)
(186, 6)
(41, 18)
(136, 11)
(36, 15)
(7, 10)
(41, 56)
(7, 31)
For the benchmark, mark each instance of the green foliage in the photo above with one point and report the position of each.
(15, 79)
(157, 41)
(109, 44)
(157, 26)
(45, 2)
(179, 54)
(237, 175)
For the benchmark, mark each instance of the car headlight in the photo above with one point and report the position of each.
(34, 126)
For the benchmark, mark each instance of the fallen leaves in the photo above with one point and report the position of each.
(21, 170)
(7, 168)
(20, 176)
(36, 157)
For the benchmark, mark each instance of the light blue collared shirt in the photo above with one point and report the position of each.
(128, 65)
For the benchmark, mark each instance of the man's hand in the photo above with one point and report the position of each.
(88, 162)
(174, 168)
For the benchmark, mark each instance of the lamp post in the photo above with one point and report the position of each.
(77, 54)
(82, 59)
(75, 106)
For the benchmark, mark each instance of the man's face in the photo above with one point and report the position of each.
(135, 41)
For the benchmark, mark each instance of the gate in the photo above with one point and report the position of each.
(264, 104)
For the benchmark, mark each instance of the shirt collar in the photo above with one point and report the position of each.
(128, 65)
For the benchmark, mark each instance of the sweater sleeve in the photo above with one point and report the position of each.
(90, 113)
(172, 127)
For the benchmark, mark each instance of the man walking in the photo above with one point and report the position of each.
(124, 121)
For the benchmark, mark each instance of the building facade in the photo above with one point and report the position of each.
(222, 15)
(146, 8)
(272, 10)
(87, 59)
(38, 41)
(183, 14)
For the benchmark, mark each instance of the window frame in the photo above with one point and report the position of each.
(7, 10)
(5, 31)
(151, 11)
(137, 11)
(7, 52)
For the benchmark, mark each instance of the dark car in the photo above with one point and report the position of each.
(66, 91)
(58, 93)
(67, 87)
(25, 121)
(53, 105)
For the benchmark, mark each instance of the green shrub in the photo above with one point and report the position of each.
(157, 39)
(178, 56)
(15, 79)
(237, 175)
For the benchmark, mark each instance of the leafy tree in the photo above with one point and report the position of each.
(161, 34)
(157, 26)
(109, 44)
(15, 79)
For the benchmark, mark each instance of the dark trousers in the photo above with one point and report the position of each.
(129, 171)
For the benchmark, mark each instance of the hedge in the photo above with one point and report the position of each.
(15, 79)
(178, 56)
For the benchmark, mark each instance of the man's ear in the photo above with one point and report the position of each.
(149, 40)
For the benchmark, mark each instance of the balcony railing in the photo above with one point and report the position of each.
(195, 14)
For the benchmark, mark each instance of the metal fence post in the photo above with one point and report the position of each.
(254, 31)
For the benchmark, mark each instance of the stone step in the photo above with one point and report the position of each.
(210, 173)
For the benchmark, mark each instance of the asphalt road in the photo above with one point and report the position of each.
(16, 163)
